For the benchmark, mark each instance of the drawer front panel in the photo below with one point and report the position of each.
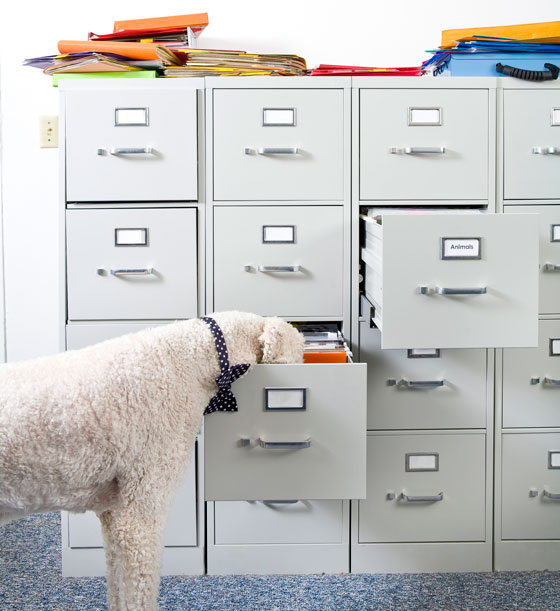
(531, 381)
(497, 301)
(84, 529)
(109, 277)
(277, 144)
(531, 486)
(317, 452)
(549, 254)
(424, 390)
(80, 335)
(277, 522)
(447, 504)
(420, 133)
(310, 260)
(123, 145)
(531, 144)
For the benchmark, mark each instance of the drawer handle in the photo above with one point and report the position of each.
(545, 150)
(147, 150)
(272, 151)
(441, 290)
(551, 382)
(407, 498)
(278, 268)
(418, 150)
(416, 383)
(275, 502)
(555, 496)
(132, 272)
(284, 445)
(551, 267)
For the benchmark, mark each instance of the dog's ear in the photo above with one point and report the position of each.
(280, 342)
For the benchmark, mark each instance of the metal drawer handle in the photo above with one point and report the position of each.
(274, 502)
(545, 150)
(421, 499)
(555, 496)
(284, 445)
(418, 150)
(551, 382)
(272, 151)
(147, 150)
(550, 267)
(132, 272)
(440, 290)
(419, 383)
(278, 268)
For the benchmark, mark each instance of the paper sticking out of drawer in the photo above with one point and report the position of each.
(324, 343)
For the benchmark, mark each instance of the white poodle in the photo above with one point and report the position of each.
(111, 427)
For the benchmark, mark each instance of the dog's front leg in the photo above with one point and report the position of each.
(134, 540)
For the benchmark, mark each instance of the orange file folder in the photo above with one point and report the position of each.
(545, 29)
(133, 50)
(325, 357)
(183, 21)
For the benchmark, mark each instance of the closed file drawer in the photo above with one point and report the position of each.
(131, 264)
(531, 381)
(279, 260)
(549, 254)
(531, 144)
(300, 433)
(79, 335)
(278, 144)
(278, 522)
(131, 145)
(423, 389)
(407, 136)
(531, 486)
(454, 280)
(424, 488)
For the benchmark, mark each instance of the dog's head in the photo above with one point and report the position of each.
(255, 339)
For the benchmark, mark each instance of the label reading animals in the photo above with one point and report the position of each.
(460, 248)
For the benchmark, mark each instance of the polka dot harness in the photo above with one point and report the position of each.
(224, 400)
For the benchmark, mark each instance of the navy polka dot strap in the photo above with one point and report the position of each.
(224, 400)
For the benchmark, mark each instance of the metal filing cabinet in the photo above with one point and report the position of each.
(526, 535)
(278, 222)
(134, 233)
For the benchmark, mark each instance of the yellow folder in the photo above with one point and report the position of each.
(546, 29)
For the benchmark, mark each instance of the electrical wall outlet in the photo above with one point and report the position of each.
(48, 131)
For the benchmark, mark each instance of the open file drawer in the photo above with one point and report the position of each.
(300, 433)
(453, 280)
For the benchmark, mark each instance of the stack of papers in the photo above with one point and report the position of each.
(509, 39)
(209, 62)
(323, 343)
(335, 70)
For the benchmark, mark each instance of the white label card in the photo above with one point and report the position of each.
(131, 237)
(422, 462)
(555, 233)
(460, 248)
(279, 116)
(131, 116)
(279, 233)
(554, 460)
(424, 116)
(555, 116)
(555, 347)
(285, 398)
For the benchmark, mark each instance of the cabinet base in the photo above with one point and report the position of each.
(527, 556)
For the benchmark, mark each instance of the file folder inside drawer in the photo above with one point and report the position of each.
(456, 280)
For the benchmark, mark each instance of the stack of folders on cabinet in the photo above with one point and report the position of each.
(323, 343)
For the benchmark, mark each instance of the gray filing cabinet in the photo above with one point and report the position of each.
(187, 196)
(527, 486)
(132, 198)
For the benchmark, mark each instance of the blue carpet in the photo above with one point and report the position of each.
(31, 579)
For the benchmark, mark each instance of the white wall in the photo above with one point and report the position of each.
(377, 33)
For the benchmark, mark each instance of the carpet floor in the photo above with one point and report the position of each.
(31, 579)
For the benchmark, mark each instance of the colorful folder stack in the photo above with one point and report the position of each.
(524, 51)
(336, 70)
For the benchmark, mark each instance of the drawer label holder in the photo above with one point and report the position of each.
(421, 461)
(131, 236)
(285, 399)
(461, 248)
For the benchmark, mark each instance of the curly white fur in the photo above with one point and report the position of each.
(111, 427)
